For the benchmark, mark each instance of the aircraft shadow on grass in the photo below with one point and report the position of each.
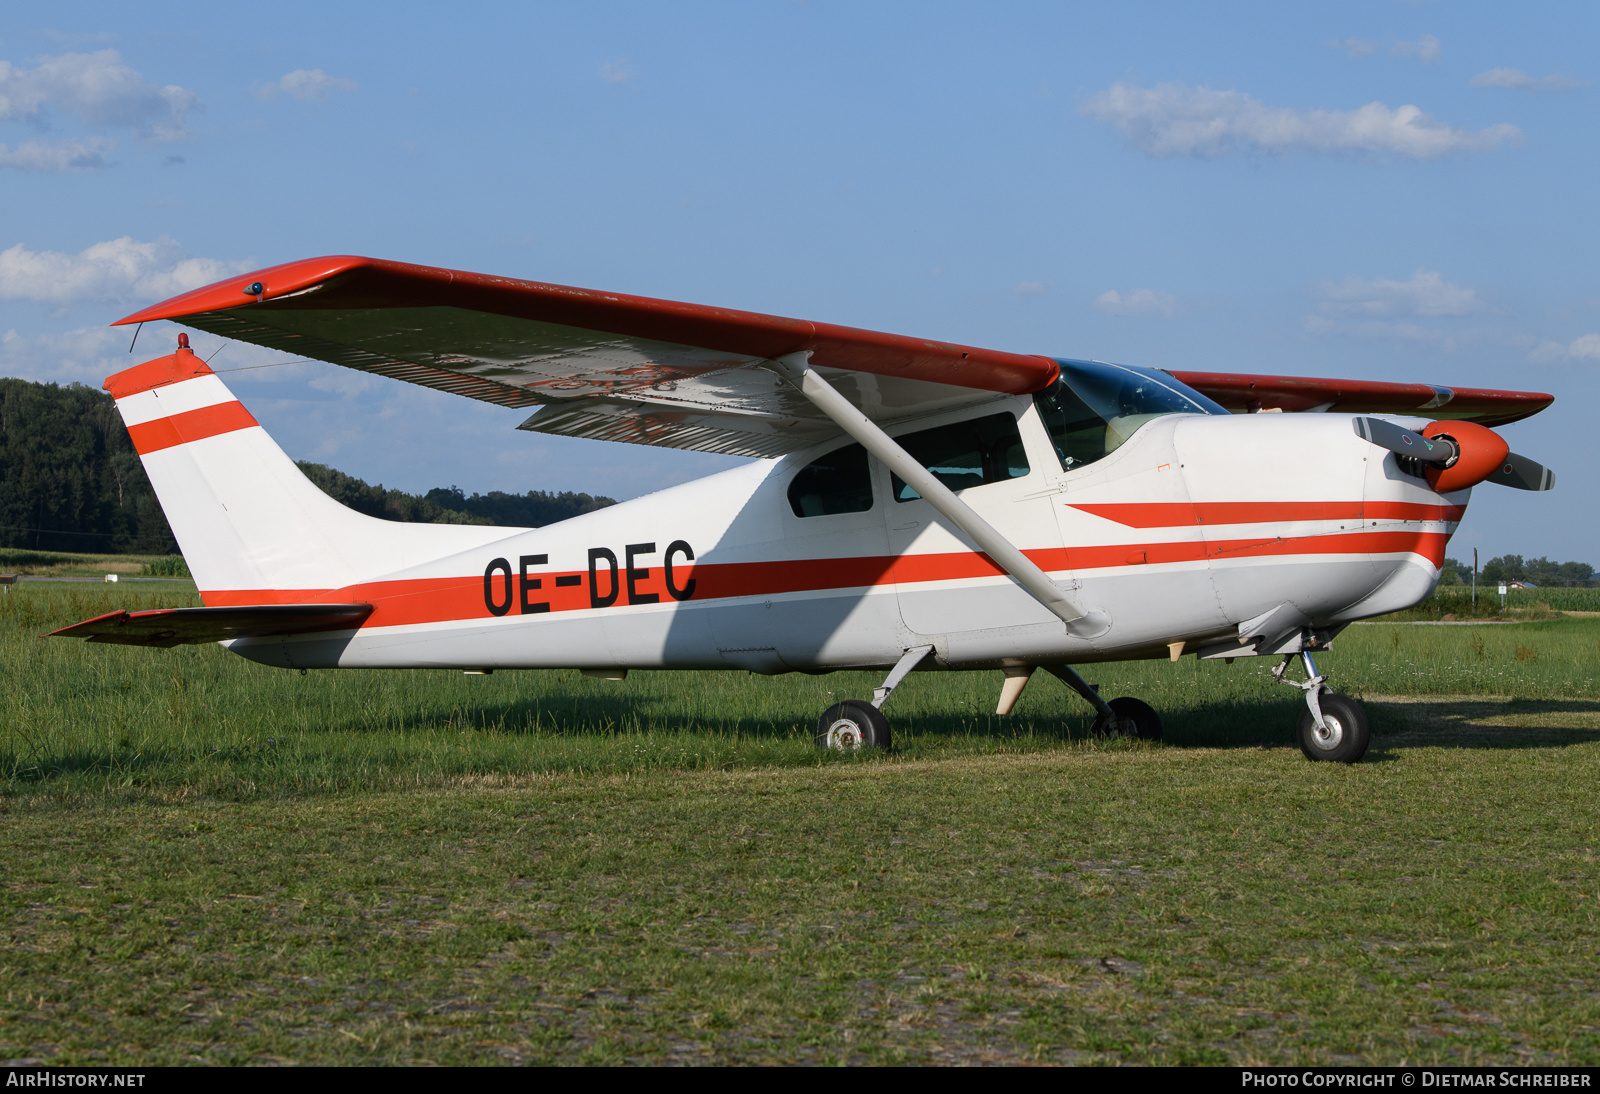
(1485, 723)
(1243, 723)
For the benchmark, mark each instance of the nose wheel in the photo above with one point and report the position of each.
(1342, 737)
(1332, 727)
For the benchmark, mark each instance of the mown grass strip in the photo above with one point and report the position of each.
(1082, 905)
(211, 861)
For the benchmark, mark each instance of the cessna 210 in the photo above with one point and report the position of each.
(916, 504)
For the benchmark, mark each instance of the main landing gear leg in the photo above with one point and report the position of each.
(1333, 727)
(854, 724)
(1124, 717)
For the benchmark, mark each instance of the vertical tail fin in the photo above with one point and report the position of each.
(252, 528)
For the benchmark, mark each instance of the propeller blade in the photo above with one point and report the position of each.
(1404, 442)
(1521, 473)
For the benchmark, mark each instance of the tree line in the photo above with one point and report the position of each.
(70, 480)
(450, 505)
(1536, 571)
(69, 477)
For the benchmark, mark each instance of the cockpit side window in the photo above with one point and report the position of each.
(835, 483)
(975, 452)
(1093, 408)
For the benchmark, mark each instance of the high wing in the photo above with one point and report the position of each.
(600, 365)
(1242, 393)
(627, 368)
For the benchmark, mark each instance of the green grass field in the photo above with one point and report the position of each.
(213, 861)
(19, 560)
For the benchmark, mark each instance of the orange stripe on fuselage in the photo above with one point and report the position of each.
(461, 599)
(191, 425)
(1184, 514)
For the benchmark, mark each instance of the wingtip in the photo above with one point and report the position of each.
(245, 288)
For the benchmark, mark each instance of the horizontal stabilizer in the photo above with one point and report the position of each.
(166, 627)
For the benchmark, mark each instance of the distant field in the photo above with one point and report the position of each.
(1456, 601)
(210, 860)
(16, 560)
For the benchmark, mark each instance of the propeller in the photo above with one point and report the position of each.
(1403, 442)
(1458, 454)
(1521, 473)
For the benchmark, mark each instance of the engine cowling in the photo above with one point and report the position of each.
(1480, 452)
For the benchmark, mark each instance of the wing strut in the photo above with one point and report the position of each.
(1081, 623)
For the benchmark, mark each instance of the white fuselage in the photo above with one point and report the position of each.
(1199, 529)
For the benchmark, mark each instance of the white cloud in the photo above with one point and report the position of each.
(1388, 330)
(617, 72)
(1584, 348)
(305, 84)
(1174, 120)
(78, 154)
(1355, 47)
(1426, 294)
(89, 354)
(119, 269)
(1419, 312)
(1414, 333)
(1518, 80)
(100, 90)
(1031, 288)
(86, 355)
(1136, 302)
(1425, 49)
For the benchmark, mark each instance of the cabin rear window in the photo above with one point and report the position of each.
(962, 454)
(835, 483)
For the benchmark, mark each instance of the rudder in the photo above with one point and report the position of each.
(251, 526)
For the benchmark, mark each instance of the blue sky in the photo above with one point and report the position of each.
(1384, 190)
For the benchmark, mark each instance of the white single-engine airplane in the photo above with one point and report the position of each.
(917, 504)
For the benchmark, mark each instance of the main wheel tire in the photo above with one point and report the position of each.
(852, 725)
(1346, 736)
(1136, 717)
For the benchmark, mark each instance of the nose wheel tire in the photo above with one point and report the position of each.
(852, 725)
(1345, 733)
(1134, 718)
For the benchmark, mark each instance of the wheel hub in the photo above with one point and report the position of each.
(1118, 725)
(845, 735)
(1329, 735)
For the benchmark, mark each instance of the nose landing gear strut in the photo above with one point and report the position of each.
(1333, 727)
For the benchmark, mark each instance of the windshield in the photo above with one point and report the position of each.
(1094, 407)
